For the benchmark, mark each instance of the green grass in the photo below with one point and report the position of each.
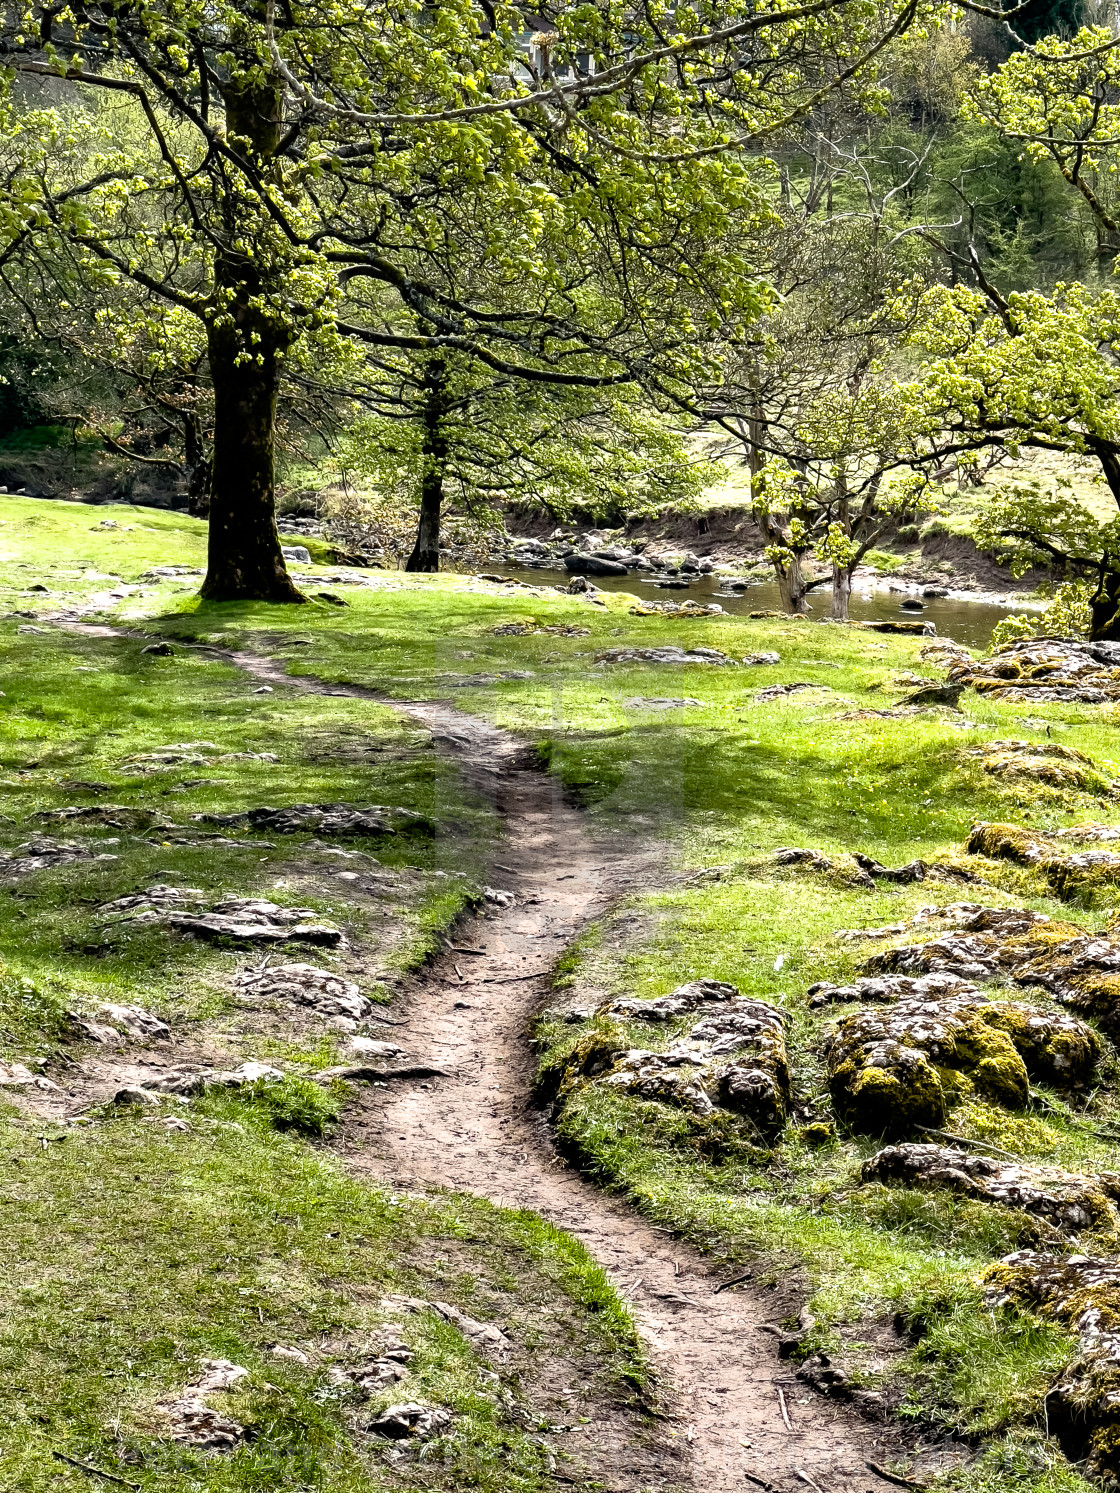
(130, 1252)
(721, 785)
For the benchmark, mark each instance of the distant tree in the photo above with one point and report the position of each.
(804, 401)
(436, 431)
(1028, 369)
(1031, 525)
(1059, 102)
(1032, 372)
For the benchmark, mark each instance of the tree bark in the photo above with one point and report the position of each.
(245, 346)
(1104, 605)
(791, 586)
(841, 592)
(244, 562)
(198, 467)
(425, 552)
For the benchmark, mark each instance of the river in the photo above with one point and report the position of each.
(967, 622)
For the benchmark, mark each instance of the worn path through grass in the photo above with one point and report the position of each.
(719, 781)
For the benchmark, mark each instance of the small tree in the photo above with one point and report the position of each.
(805, 399)
(436, 432)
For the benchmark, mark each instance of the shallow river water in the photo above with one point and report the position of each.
(967, 622)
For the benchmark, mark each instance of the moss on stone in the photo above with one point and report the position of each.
(1005, 842)
(890, 1090)
(892, 1070)
(1055, 1048)
(596, 1050)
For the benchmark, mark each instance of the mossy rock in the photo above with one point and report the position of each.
(1085, 876)
(1056, 1049)
(1083, 1408)
(1006, 842)
(595, 1051)
(892, 1091)
(893, 1071)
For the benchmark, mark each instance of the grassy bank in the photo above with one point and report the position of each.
(892, 1278)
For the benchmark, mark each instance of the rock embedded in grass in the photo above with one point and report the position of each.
(118, 1022)
(193, 1421)
(889, 988)
(795, 855)
(661, 702)
(1064, 1200)
(326, 819)
(241, 919)
(320, 989)
(894, 1071)
(19, 1076)
(115, 816)
(42, 853)
(1048, 762)
(1082, 1409)
(734, 1059)
(1045, 669)
(188, 1083)
(679, 1002)
(667, 655)
(1080, 970)
(411, 1420)
(780, 691)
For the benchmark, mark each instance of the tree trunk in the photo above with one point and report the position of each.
(244, 562)
(425, 552)
(198, 466)
(841, 592)
(791, 586)
(245, 346)
(1104, 606)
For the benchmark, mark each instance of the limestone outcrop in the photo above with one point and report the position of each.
(1083, 1293)
(1064, 1200)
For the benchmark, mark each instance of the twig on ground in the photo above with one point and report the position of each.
(782, 1403)
(805, 1478)
(534, 974)
(964, 1140)
(456, 950)
(893, 1477)
(758, 1481)
(736, 1280)
(110, 1477)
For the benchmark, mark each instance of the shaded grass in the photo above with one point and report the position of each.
(60, 728)
(130, 1250)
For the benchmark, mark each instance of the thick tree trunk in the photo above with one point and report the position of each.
(245, 345)
(841, 593)
(244, 562)
(425, 552)
(791, 586)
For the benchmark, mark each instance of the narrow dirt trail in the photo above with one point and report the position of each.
(476, 1131)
